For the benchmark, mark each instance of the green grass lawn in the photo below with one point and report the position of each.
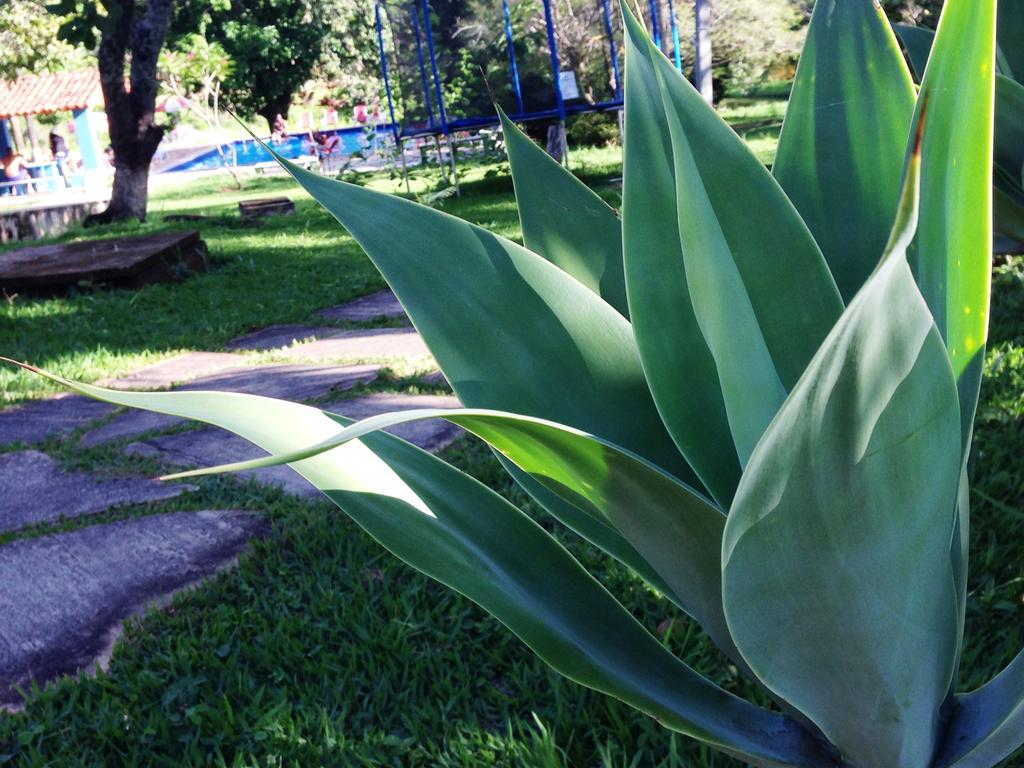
(322, 649)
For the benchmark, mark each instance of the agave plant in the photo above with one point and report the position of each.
(1009, 132)
(755, 389)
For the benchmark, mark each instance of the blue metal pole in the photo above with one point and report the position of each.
(655, 26)
(555, 68)
(423, 66)
(440, 95)
(384, 74)
(513, 67)
(675, 36)
(616, 73)
(387, 90)
(433, 65)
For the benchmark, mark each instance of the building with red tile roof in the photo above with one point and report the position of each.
(50, 92)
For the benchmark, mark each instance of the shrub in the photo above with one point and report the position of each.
(758, 392)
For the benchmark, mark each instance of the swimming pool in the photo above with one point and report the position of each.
(249, 152)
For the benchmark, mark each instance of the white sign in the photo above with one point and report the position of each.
(567, 82)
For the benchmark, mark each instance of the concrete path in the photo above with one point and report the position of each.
(176, 370)
(64, 595)
(376, 306)
(33, 489)
(278, 336)
(37, 421)
(371, 344)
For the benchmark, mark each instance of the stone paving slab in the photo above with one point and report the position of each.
(212, 446)
(290, 382)
(34, 489)
(369, 344)
(436, 378)
(176, 370)
(36, 421)
(277, 336)
(375, 306)
(64, 596)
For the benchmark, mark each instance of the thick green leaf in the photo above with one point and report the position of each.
(836, 558)
(459, 532)
(675, 529)
(842, 145)
(1008, 215)
(510, 330)
(959, 554)
(1008, 204)
(1009, 139)
(727, 311)
(987, 725)
(917, 41)
(564, 220)
(1010, 30)
(952, 256)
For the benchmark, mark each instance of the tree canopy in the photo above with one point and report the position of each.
(274, 46)
(29, 40)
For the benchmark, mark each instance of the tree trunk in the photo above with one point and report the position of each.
(702, 57)
(134, 134)
(128, 198)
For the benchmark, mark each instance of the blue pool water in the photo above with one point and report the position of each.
(294, 145)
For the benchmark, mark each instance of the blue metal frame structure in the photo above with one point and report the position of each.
(384, 72)
(423, 66)
(513, 67)
(437, 118)
(677, 56)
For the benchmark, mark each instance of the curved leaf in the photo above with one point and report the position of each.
(564, 220)
(1009, 139)
(917, 42)
(1008, 215)
(459, 532)
(987, 725)
(1010, 31)
(836, 557)
(842, 144)
(727, 312)
(674, 528)
(952, 255)
(510, 330)
(1008, 204)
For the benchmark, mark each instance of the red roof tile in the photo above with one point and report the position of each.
(56, 92)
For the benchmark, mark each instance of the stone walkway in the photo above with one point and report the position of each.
(66, 592)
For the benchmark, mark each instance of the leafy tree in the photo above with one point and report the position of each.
(29, 40)
(349, 61)
(194, 73)
(274, 44)
(127, 30)
(748, 37)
